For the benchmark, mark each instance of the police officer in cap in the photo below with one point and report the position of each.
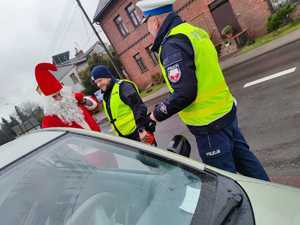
(198, 91)
(123, 106)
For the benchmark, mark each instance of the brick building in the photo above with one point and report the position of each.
(120, 20)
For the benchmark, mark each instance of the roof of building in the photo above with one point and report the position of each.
(102, 5)
(83, 57)
(65, 68)
(62, 71)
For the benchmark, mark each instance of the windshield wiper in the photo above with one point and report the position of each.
(232, 203)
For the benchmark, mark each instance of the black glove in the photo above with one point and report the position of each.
(150, 124)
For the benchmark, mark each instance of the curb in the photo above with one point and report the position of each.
(263, 52)
(156, 97)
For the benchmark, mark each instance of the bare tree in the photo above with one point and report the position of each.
(3, 137)
(22, 116)
(7, 129)
(14, 121)
(29, 107)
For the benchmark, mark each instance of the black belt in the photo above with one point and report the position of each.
(116, 129)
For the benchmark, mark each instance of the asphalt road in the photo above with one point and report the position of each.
(269, 112)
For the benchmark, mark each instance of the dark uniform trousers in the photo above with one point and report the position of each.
(223, 146)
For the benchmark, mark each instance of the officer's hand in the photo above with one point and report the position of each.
(143, 135)
(150, 124)
(152, 117)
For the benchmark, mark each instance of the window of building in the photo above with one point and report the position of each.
(133, 15)
(74, 78)
(139, 60)
(152, 55)
(121, 26)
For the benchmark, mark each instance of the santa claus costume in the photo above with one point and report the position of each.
(70, 110)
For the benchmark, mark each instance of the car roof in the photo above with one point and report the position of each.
(22, 146)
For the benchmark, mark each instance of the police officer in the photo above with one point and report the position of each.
(123, 105)
(198, 91)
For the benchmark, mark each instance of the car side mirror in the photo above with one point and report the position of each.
(180, 145)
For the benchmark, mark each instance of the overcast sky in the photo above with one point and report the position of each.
(31, 32)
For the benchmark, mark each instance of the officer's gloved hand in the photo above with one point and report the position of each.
(150, 124)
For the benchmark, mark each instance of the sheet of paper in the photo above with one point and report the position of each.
(190, 200)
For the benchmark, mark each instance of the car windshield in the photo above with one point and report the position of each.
(81, 180)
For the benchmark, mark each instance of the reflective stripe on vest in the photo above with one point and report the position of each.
(214, 99)
(123, 122)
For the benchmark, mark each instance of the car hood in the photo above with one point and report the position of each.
(272, 203)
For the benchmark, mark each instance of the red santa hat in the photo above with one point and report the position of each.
(47, 82)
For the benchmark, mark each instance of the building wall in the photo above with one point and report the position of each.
(251, 14)
(67, 81)
(123, 44)
(197, 12)
(133, 70)
(119, 42)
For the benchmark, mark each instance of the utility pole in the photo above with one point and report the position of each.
(99, 38)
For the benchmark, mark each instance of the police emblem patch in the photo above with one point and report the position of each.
(174, 73)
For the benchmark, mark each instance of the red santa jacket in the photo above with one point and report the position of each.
(98, 159)
(54, 121)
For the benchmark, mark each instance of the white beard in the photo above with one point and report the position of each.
(66, 109)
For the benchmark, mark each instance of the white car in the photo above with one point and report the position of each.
(76, 177)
